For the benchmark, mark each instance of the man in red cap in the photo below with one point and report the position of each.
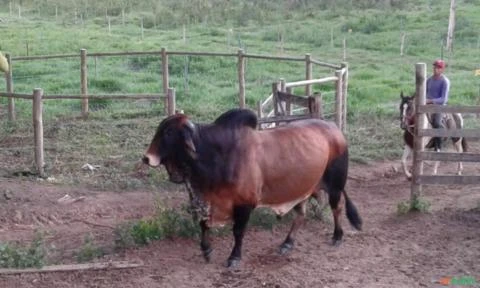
(438, 87)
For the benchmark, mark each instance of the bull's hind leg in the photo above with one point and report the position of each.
(301, 210)
(334, 181)
(205, 240)
(241, 214)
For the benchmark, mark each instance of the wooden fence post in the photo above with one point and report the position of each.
(38, 130)
(345, 94)
(288, 102)
(259, 109)
(9, 79)
(83, 82)
(317, 106)
(275, 87)
(418, 143)
(165, 77)
(171, 101)
(308, 74)
(339, 100)
(241, 78)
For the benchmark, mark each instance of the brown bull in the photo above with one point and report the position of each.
(233, 168)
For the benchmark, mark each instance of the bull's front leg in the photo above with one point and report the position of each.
(205, 240)
(241, 215)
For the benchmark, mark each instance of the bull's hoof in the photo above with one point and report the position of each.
(285, 248)
(207, 254)
(336, 242)
(233, 262)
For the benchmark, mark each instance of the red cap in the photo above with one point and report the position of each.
(439, 63)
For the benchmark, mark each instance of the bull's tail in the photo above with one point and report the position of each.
(352, 212)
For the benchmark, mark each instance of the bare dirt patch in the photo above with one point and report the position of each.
(412, 250)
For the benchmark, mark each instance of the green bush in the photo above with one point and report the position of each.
(16, 256)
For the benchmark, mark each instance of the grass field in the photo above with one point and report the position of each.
(117, 131)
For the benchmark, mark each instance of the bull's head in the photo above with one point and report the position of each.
(173, 147)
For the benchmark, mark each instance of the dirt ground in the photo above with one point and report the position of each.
(412, 250)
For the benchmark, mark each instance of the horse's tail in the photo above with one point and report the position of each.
(464, 145)
(352, 212)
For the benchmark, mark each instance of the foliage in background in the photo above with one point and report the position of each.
(16, 256)
(117, 132)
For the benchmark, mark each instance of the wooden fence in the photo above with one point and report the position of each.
(37, 113)
(281, 100)
(164, 56)
(421, 131)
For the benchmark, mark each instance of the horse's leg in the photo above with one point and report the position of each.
(301, 210)
(436, 164)
(241, 214)
(205, 240)
(406, 152)
(459, 147)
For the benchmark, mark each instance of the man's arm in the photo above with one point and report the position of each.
(443, 99)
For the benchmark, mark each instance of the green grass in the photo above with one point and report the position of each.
(13, 255)
(117, 131)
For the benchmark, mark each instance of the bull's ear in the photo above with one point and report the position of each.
(401, 95)
(188, 138)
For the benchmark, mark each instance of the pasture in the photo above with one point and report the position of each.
(98, 189)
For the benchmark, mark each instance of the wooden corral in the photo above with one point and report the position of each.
(421, 131)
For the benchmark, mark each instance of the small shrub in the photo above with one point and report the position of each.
(14, 256)
(89, 251)
(419, 204)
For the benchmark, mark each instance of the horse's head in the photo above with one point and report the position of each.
(173, 147)
(407, 110)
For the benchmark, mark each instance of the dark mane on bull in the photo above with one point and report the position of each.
(217, 146)
(237, 117)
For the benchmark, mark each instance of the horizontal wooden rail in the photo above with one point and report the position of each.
(448, 109)
(79, 97)
(294, 99)
(133, 53)
(440, 132)
(274, 57)
(44, 57)
(313, 81)
(106, 96)
(16, 95)
(447, 179)
(325, 64)
(449, 156)
(288, 118)
(185, 53)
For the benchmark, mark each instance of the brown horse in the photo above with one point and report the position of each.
(407, 123)
(232, 168)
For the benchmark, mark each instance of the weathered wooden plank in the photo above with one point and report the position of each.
(17, 95)
(288, 118)
(448, 109)
(254, 56)
(294, 99)
(324, 64)
(313, 81)
(75, 267)
(44, 57)
(446, 180)
(107, 96)
(440, 132)
(449, 156)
